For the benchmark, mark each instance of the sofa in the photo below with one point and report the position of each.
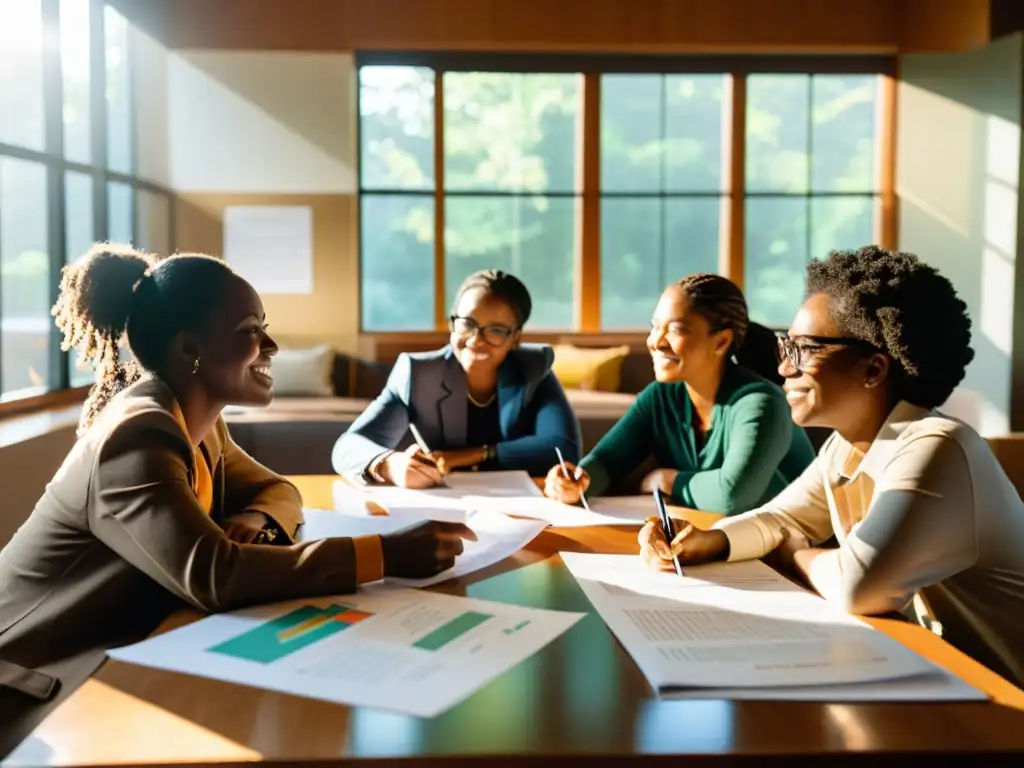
(602, 375)
(295, 434)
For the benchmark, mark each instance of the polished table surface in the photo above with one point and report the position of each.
(582, 695)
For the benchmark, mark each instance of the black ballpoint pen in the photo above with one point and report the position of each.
(666, 523)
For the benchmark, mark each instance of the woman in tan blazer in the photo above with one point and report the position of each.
(155, 507)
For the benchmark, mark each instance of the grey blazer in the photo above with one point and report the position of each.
(429, 389)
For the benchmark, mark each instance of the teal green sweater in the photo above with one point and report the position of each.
(752, 451)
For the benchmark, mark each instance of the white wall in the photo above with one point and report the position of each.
(151, 107)
(958, 172)
(262, 122)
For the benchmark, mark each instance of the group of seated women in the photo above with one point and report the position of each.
(155, 506)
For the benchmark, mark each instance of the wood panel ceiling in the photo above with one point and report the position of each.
(623, 26)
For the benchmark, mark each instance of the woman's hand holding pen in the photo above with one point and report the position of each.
(411, 468)
(446, 461)
(691, 545)
(565, 487)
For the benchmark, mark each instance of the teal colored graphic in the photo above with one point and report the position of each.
(453, 630)
(287, 634)
(517, 627)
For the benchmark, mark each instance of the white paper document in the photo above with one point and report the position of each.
(628, 508)
(446, 503)
(498, 537)
(743, 631)
(460, 485)
(329, 524)
(509, 492)
(388, 647)
(553, 512)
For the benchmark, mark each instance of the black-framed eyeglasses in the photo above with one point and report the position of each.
(800, 350)
(495, 335)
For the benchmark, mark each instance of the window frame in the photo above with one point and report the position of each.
(52, 157)
(733, 196)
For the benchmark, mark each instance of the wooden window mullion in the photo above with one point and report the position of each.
(440, 307)
(732, 250)
(587, 272)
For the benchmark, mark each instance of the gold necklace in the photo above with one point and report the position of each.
(484, 404)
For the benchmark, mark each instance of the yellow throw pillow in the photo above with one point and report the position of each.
(598, 369)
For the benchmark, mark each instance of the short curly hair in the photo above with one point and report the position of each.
(905, 308)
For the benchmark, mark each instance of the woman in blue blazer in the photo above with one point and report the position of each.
(485, 401)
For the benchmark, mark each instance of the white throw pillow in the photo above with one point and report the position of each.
(304, 371)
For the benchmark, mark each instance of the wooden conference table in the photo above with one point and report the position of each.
(580, 696)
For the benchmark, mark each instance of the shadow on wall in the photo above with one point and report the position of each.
(958, 152)
(271, 122)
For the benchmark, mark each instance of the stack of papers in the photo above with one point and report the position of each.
(742, 631)
(393, 648)
(498, 537)
(511, 493)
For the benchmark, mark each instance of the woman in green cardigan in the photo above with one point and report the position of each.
(722, 435)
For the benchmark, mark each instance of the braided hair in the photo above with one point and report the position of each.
(719, 301)
(502, 285)
(115, 294)
(906, 309)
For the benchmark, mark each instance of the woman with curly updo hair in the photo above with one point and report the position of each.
(155, 507)
(925, 518)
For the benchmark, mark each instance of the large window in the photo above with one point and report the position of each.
(811, 180)
(661, 188)
(67, 172)
(21, 74)
(24, 277)
(600, 184)
(510, 184)
(396, 107)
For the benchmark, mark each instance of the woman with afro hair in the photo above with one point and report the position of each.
(925, 518)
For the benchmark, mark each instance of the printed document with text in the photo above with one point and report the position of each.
(740, 626)
(388, 647)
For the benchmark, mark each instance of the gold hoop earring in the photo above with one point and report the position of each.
(195, 367)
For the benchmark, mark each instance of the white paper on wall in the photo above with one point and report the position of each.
(271, 246)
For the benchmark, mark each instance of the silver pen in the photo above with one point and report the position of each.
(565, 471)
(425, 448)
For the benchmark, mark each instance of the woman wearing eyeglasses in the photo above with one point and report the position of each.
(925, 518)
(721, 434)
(485, 401)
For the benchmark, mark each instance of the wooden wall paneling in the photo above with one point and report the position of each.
(622, 25)
(944, 25)
(668, 26)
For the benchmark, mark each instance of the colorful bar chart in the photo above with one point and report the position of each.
(287, 634)
(451, 630)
